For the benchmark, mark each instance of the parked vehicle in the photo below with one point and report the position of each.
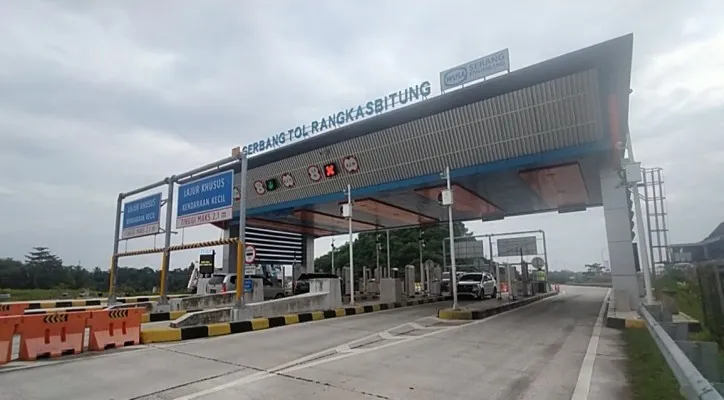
(478, 284)
(224, 282)
(302, 284)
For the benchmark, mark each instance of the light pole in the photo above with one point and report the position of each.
(333, 270)
(347, 212)
(378, 247)
(446, 198)
(420, 241)
(389, 268)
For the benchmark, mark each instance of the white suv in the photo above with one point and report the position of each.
(478, 284)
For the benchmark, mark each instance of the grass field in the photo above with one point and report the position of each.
(649, 375)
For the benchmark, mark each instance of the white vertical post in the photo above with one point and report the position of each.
(351, 257)
(241, 244)
(332, 269)
(422, 269)
(497, 267)
(389, 267)
(643, 253)
(453, 277)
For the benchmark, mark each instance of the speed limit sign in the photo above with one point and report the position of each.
(249, 254)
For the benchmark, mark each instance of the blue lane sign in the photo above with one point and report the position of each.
(248, 285)
(142, 217)
(205, 200)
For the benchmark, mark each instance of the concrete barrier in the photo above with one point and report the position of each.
(218, 300)
(324, 294)
(204, 301)
(172, 334)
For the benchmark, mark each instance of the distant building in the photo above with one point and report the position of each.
(712, 247)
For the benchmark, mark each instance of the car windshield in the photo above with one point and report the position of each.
(216, 279)
(445, 275)
(471, 277)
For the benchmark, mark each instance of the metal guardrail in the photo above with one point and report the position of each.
(692, 382)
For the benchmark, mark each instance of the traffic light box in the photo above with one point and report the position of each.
(631, 215)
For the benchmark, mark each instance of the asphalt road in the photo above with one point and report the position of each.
(534, 352)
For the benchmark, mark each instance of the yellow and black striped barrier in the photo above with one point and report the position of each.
(188, 246)
(166, 334)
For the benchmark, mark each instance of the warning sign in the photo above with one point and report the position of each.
(249, 254)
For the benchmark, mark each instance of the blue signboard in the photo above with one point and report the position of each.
(248, 285)
(141, 217)
(205, 200)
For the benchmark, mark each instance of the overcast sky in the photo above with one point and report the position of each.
(98, 97)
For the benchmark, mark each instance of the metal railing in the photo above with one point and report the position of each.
(692, 382)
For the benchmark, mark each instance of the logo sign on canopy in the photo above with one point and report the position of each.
(205, 200)
(474, 70)
(142, 217)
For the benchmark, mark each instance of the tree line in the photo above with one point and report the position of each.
(404, 248)
(42, 269)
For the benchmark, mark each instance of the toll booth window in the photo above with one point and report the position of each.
(271, 185)
(330, 170)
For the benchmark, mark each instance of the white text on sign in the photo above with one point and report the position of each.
(204, 218)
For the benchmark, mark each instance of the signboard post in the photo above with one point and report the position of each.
(205, 200)
(142, 217)
(239, 300)
(520, 246)
(474, 70)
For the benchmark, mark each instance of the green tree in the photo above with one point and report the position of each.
(44, 270)
(404, 248)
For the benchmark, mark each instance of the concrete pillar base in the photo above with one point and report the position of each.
(390, 290)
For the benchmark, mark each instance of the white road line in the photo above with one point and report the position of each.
(417, 326)
(583, 384)
(388, 336)
(343, 348)
(299, 364)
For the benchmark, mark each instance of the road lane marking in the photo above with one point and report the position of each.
(324, 357)
(583, 384)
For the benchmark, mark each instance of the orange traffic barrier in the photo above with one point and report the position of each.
(8, 326)
(12, 309)
(51, 335)
(114, 328)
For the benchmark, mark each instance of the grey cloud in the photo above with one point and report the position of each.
(99, 97)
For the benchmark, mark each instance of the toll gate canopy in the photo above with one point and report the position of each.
(533, 140)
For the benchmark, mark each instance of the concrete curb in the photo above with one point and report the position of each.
(164, 316)
(160, 335)
(448, 313)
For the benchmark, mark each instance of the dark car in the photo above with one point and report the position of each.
(302, 284)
